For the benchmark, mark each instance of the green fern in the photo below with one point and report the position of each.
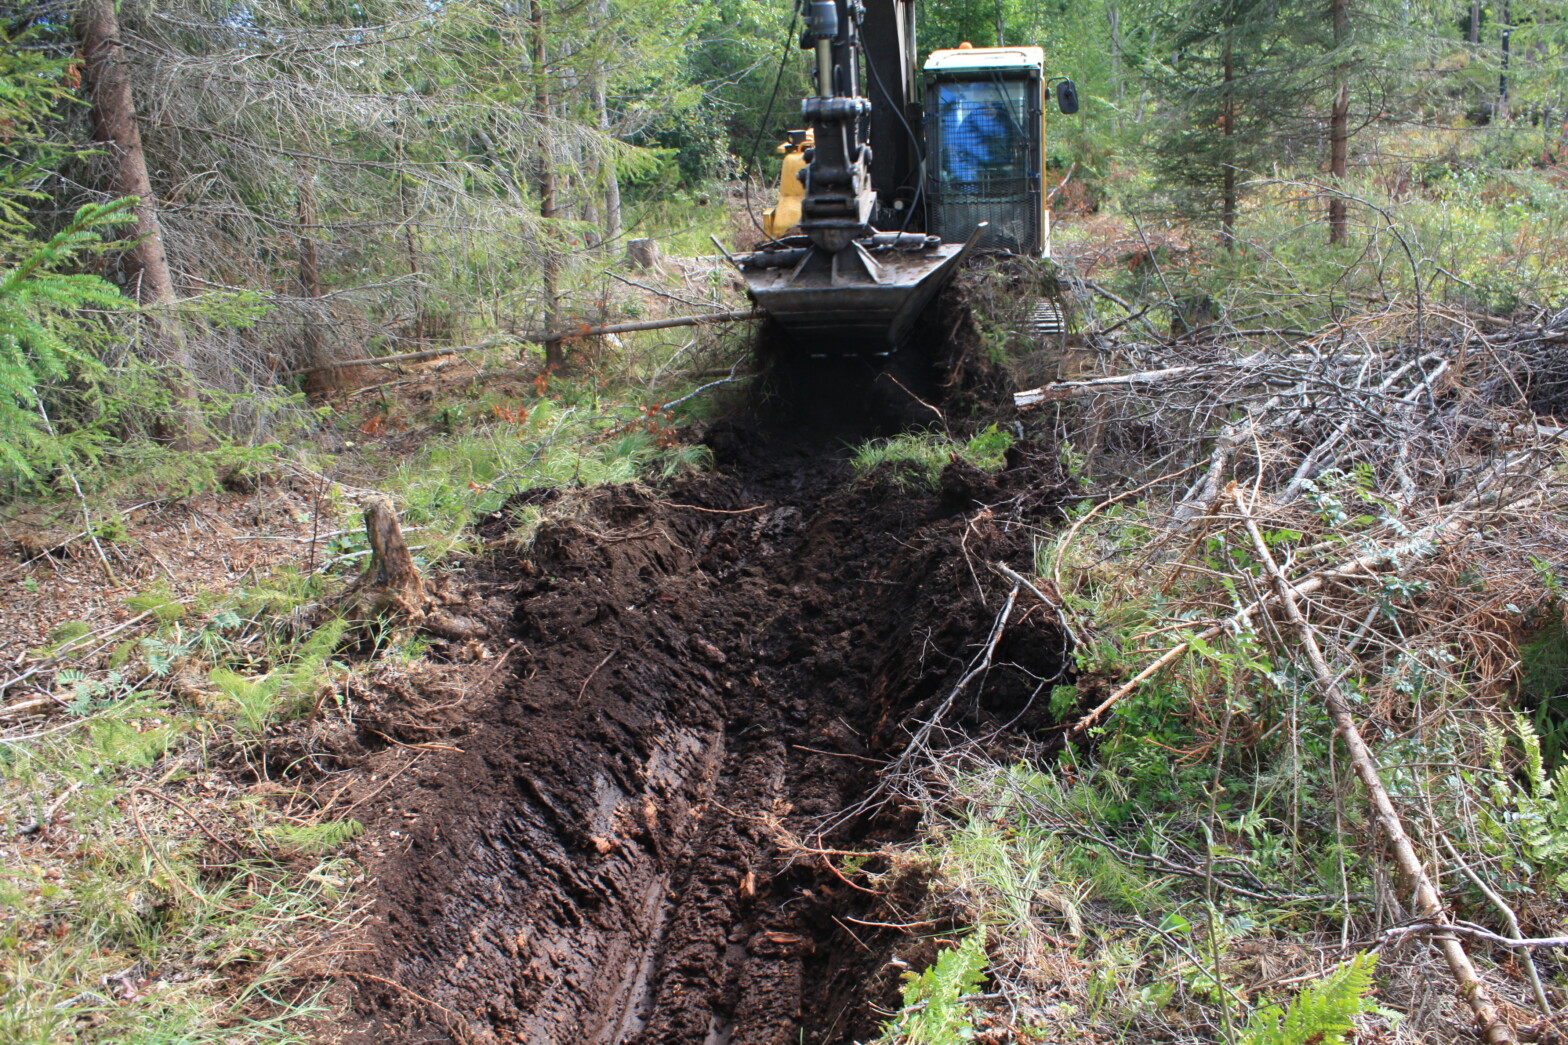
(1323, 1013)
(935, 1012)
(1542, 809)
(132, 733)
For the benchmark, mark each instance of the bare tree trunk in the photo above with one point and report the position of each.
(1502, 77)
(1339, 128)
(612, 204)
(146, 263)
(410, 242)
(587, 191)
(554, 357)
(610, 179)
(1228, 128)
(1113, 18)
(1475, 21)
(114, 123)
(323, 377)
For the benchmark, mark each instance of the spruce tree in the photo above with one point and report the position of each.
(1237, 89)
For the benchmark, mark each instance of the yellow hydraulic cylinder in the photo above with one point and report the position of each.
(777, 221)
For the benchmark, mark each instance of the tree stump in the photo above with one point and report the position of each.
(390, 591)
(642, 253)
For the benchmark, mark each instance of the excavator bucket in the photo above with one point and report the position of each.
(862, 300)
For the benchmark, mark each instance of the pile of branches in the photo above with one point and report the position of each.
(1390, 495)
(1379, 507)
(1430, 410)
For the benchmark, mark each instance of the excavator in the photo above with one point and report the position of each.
(897, 176)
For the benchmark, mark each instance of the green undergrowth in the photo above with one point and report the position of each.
(1069, 874)
(157, 893)
(151, 898)
(1204, 866)
(1448, 235)
(937, 1002)
(914, 460)
(455, 478)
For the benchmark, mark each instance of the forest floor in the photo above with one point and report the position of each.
(615, 807)
(642, 835)
(732, 726)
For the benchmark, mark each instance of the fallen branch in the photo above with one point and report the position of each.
(1523, 951)
(1474, 932)
(729, 379)
(1054, 605)
(1359, 566)
(1072, 389)
(919, 741)
(583, 330)
(1428, 902)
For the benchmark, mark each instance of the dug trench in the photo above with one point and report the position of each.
(635, 831)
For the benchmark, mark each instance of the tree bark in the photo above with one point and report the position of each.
(611, 179)
(1428, 902)
(148, 278)
(323, 376)
(1228, 203)
(588, 192)
(114, 125)
(1339, 128)
(1502, 76)
(1113, 18)
(410, 242)
(607, 181)
(554, 356)
(642, 253)
(391, 591)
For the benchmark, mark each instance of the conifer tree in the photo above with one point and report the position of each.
(1237, 97)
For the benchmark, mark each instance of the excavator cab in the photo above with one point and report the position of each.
(985, 146)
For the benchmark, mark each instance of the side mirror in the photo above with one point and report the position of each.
(1067, 97)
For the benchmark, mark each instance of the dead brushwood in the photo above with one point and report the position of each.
(1428, 902)
(1389, 492)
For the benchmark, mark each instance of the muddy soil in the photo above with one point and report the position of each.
(697, 675)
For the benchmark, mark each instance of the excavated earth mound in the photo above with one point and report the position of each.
(697, 675)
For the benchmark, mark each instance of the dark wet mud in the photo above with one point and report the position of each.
(692, 676)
